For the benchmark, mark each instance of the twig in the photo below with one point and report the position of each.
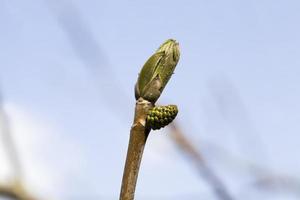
(151, 81)
(206, 172)
(138, 137)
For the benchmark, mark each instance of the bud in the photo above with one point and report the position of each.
(160, 116)
(157, 71)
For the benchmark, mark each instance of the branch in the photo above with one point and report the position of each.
(275, 182)
(151, 81)
(138, 137)
(15, 191)
(264, 178)
(205, 171)
(8, 142)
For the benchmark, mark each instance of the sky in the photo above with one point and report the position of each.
(67, 73)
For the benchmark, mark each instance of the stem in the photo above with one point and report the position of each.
(138, 137)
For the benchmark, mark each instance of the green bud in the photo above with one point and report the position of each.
(157, 71)
(160, 116)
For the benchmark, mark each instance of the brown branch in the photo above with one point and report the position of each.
(205, 171)
(138, 137)
(15, 191)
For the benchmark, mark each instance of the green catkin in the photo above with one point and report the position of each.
(160, 116)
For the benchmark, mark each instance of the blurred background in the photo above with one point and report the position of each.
(67, 73)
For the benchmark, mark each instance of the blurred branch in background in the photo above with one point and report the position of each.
(233, 111)
(8, 142)
(87, 48)
(262, 179)
(280, 183)
(16, 189)
(197, 158)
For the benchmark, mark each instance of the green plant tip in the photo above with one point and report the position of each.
(157, 71)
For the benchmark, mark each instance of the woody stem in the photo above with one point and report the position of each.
(138, 137)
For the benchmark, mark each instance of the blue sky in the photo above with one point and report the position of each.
(68, 69)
